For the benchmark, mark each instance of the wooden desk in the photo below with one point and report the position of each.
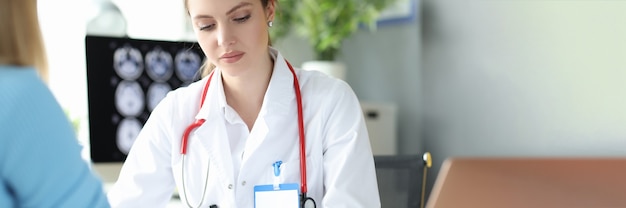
(530, 182)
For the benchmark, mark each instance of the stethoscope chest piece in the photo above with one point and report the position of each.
(309, 203)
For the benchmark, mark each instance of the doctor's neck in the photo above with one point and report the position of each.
(248, 82)
(245, 91)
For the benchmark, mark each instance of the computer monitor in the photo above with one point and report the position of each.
(530, 182)
(126, 79)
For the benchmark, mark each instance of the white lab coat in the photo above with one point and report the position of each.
(340, 166)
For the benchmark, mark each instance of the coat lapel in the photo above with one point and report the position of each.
(279, 97)
(211, 139)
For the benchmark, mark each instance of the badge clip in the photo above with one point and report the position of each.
(277, 174)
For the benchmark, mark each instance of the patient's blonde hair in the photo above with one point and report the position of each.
(21, 42)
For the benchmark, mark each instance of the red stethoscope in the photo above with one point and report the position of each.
(306, 202)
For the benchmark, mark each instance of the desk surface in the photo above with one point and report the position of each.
(108, 172)
(530, 182)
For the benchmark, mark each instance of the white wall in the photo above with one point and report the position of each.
(524, 78)
(63, 33)
(156, 19)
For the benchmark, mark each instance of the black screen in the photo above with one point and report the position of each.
(126, 78)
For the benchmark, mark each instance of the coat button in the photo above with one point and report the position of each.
(243, 183)
(230, 186)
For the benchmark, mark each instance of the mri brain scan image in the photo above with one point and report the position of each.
(127, 132)
(159, 65)
(128, 62)
(156, 93)
(129, 98)
(187, 65)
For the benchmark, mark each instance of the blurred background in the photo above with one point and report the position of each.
(467, 77)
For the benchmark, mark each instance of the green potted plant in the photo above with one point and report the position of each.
(326, 23)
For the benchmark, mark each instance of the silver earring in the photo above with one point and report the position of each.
(270, 23)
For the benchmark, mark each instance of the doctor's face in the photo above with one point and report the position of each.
(233, 34)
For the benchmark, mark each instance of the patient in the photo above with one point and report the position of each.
(40, 160)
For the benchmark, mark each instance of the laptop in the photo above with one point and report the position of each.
(530, 182)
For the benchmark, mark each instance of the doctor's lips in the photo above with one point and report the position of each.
(232, 57)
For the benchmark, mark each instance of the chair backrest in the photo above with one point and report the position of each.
(401, 179)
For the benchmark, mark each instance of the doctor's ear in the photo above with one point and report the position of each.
(270, 10)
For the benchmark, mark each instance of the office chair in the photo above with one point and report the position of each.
(400, 178)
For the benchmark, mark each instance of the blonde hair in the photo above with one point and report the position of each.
(21, 42)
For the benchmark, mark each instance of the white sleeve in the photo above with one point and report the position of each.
(146, 178)
(349, 171)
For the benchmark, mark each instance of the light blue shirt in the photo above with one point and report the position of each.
(40, 160)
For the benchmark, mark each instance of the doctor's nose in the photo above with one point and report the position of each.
(225, 36)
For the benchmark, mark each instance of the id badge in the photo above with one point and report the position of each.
(285, 196)
(277, 195)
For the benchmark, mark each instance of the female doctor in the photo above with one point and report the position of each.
(241, 126)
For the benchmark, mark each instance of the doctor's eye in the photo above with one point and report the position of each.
(206, 27)
(242, 19)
